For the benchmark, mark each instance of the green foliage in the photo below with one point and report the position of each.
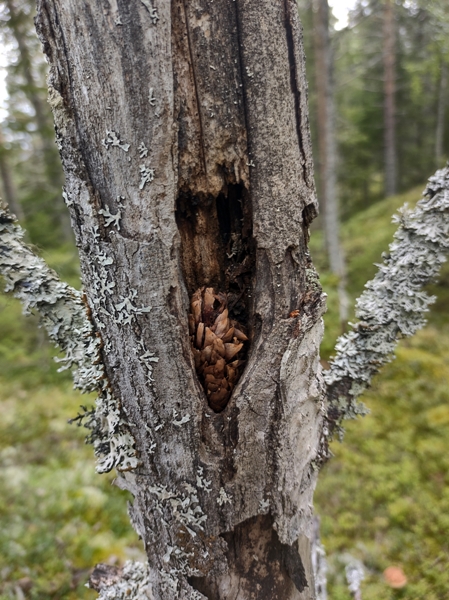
(384, 497)
(57, 516)
(422, 29)
(27, 137)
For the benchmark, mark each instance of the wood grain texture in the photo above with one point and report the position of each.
(216, 93)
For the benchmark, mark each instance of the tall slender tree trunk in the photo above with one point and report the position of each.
(26, 68)
(327, 150)
(441, 114)
(9, 189)
(389, 61)
(184, 136)
(45, 129)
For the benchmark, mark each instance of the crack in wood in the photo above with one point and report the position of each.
(294, 83)
(195, 85)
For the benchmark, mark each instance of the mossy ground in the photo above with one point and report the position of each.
(383, 498)
(57, 516)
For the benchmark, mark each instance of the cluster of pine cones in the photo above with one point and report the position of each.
(216, 342)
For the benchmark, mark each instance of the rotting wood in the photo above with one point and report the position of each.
(184, 137)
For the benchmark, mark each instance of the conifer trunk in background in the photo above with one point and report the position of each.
(44, 126)
(184, 137)
(9, 189)
(327, 154)
(26, 69)
(441, 114)
(389, 62)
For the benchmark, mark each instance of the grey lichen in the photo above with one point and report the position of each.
(126, 310)
(112, 139)
(178, 422)
(146, 176)
(146, 359)
(143, 150)
(319, 562)
(393, 304)
(151, 98)
(153, 11)
(133, 581)
(110, 218)
(223, 497)
(185, 507)
(202, 482)
(355, 574)
(63, 313)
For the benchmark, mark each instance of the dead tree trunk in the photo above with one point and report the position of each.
(184, 137)
(441, 114)
(389, 61)
(52, 166)
(327, 151)
(9, 189)
(198, 181)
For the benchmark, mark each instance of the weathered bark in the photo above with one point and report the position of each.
(327, 152)
(389, 61)
(184, 138)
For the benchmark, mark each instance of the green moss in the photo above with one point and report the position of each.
(384, 497)
(57, 516)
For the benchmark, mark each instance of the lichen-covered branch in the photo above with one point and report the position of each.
(63, 313)
(131, 581)
(394, 303)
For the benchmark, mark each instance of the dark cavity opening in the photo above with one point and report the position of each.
(217, 262)
(216, 245)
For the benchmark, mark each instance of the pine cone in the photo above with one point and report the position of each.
(216, 342)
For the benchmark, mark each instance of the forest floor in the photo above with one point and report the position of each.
(383, 499)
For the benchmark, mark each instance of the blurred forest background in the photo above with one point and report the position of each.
(378, 93)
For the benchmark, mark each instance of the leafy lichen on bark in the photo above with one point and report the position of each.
(64, 315)
(112, 583)
(394, 303)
